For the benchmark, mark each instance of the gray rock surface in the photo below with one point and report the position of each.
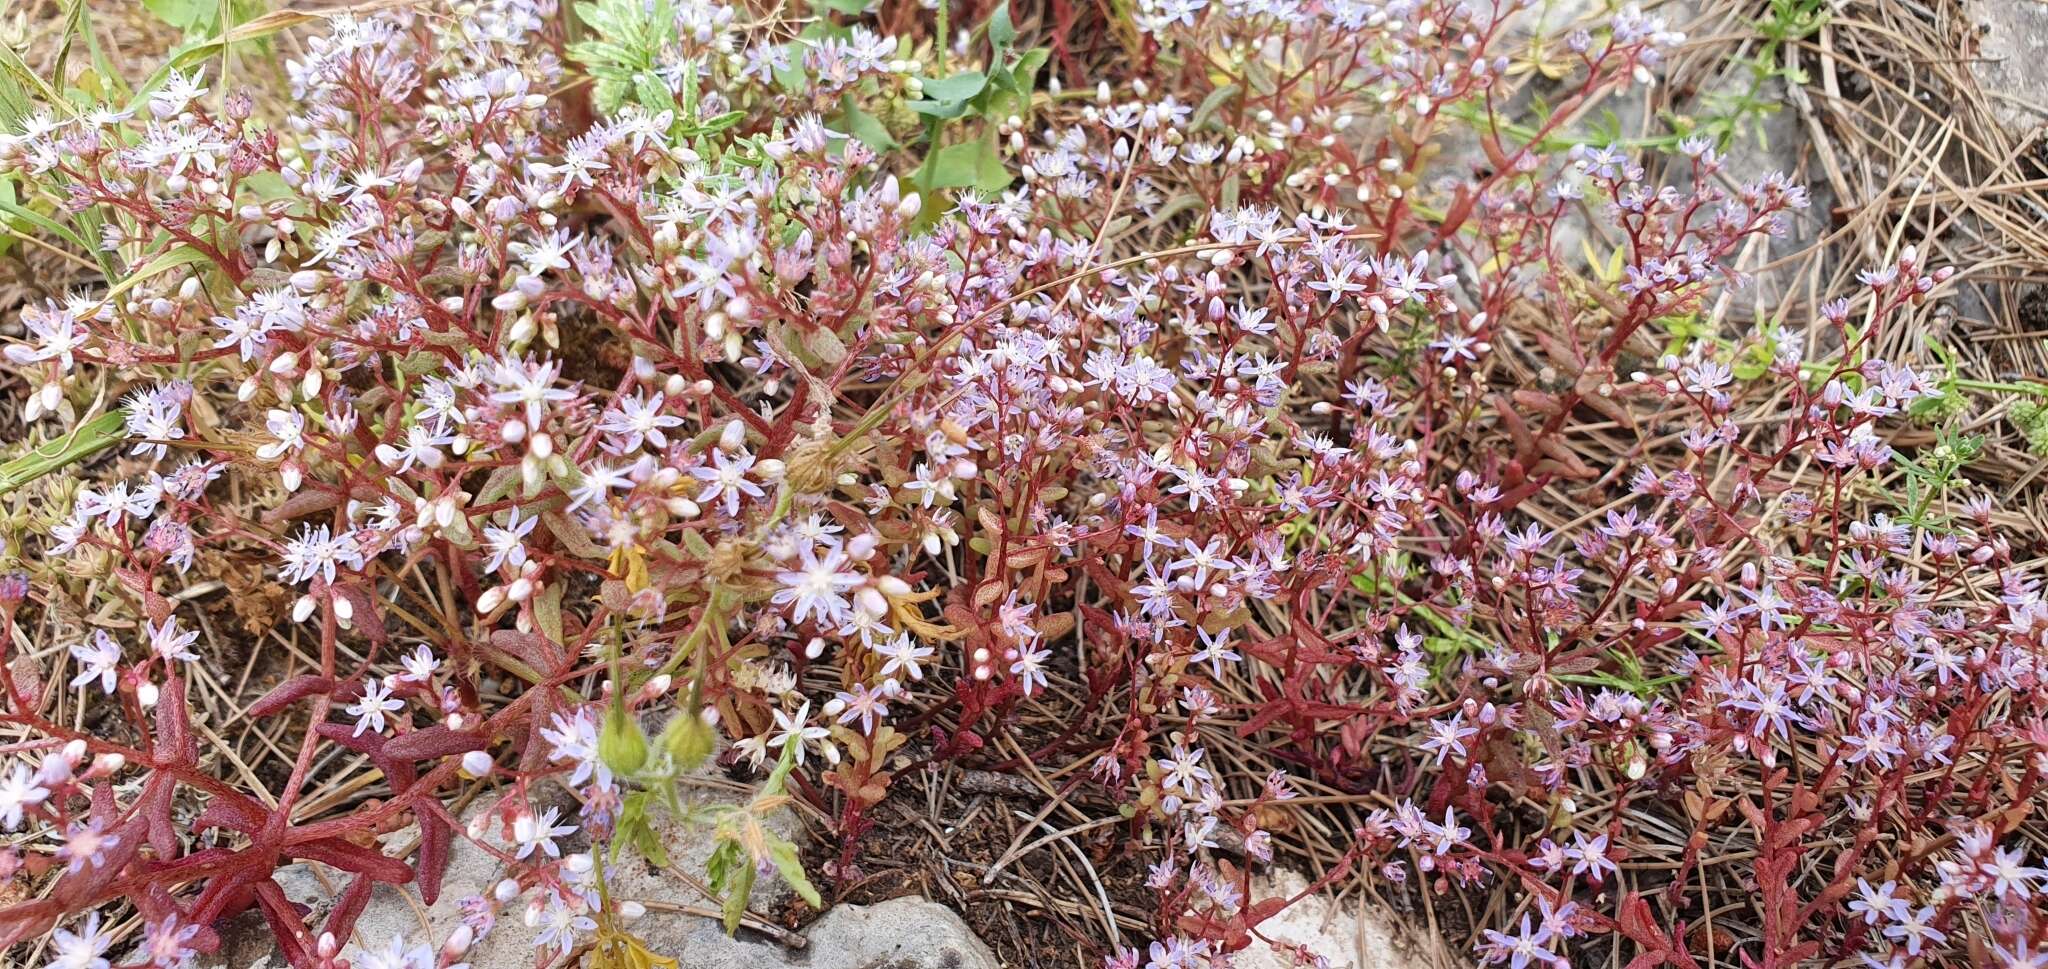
(902, 933)
(1349, 932)
(2012, 47)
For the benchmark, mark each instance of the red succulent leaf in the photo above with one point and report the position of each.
(354, 899)
(435, 838)
(341, 854)
(289, 692)
(429, 743)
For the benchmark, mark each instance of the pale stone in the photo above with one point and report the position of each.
(1350, 932)
(2012, 46)
(902, 933)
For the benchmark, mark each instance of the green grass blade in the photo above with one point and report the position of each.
(84, 441)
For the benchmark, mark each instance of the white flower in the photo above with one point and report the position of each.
(574, 739)
(795, 731)
(422, 446)
(549, 252)
(420, 665)
(506, 544)
(599, 480)
(57, 332)
(904, 654)
(289, 428)
(85, 949)
(156, 416)
(532, 833)
(316, 552)
(1029, 667)
(168, 643)
(19, 792)
(559, 926)
(818, 587)
(728, 479)
(117, 503)
(639, 422)
(370, 710)
(177, 91)
(100, 659)
(396, 954)
(530, 386)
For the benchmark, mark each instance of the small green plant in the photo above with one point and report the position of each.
(2031, 417)
(992, 97)
(203, 18)
(1931, 475)
(623, 55)
(1728, 113)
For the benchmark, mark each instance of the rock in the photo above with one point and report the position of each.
(1776, 142)
(902, 933)
(2012, 44)
(1349, 933)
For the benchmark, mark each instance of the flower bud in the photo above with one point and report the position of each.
(458, 943)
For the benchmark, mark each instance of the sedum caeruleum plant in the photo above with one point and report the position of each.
(618, 384)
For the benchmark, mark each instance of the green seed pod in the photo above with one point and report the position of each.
(687, 739)
(622, 745)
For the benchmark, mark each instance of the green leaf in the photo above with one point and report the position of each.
(781, 773)
(959, 87)
(274, 22)
(736, 898)
(1210, 105)
(865, 127)
(84, 441)
(942, 110)
(715, 124)
(783, 854)
(194, 17)
(1026, 68)
(792, 78)
(177, 257)
(851, 8)
(652, 93)
(1001, 32)
(268, 186)
(725, 861)
(970, 164)
(6, 199)
(547, 607)
(636, 831)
